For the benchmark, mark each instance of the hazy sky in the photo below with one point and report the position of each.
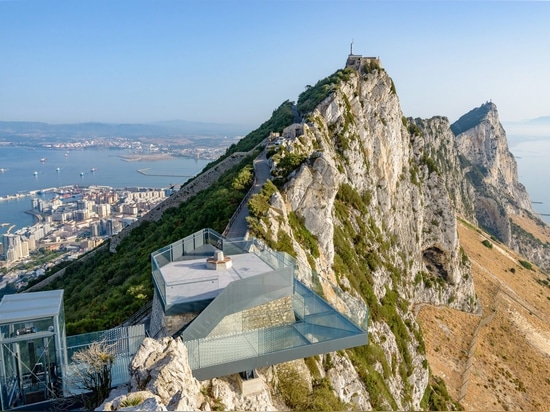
(235, 61)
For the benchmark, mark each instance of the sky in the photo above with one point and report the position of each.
(235, 61)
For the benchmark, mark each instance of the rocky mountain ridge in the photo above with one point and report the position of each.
(492, 169)
(370, 203)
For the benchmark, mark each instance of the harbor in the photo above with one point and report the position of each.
(30, 193)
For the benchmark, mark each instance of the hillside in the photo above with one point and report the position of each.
(367, 199)
(505, 367)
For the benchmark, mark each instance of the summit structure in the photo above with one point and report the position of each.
(356, 61)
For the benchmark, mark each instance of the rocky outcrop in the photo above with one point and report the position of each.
(161, 380)
(492, 169)
(370, 204)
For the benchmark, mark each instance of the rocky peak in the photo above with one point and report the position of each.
(378, 193)
(474, 117)
(492, 169)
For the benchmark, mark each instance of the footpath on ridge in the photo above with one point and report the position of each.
(238, 226)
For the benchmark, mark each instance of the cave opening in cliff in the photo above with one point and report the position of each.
(434, 259)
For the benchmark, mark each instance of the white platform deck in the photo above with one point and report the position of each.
(190, 280)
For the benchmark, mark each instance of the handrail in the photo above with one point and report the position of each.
(245, 200)
(138, 314)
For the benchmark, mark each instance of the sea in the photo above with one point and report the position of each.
(533, 160)
(24, 169)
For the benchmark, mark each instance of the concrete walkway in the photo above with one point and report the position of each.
(238, 226)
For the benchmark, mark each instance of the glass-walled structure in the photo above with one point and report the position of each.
(32, 348)
(251, 313)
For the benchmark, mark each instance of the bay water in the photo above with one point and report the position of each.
(25, 169)
(533, 159)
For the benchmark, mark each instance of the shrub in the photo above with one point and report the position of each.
(289, 163)
(526, 264)
(91, 371)
(312, 96)
(131, 401)
(294, 389)
(436, 397)
(487, 244)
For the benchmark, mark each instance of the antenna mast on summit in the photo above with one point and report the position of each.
(351, 48)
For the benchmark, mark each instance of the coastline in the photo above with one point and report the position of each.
(146, 157)
(39, 218)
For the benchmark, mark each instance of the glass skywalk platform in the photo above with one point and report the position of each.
(318, 328)
(253, 315)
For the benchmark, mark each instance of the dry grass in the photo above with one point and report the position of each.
(511, 360)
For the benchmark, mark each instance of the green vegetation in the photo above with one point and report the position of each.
(288, 163)
(436, 397)
(526, 264)
(487, 244)
(131, 401)
(282, 117)
(303, 235)
(430, 163)
(314, 95)
(215, 402)
(544, 282)
(463, 256)
(92, 371)
(258, 206)
(413, 129)
(361, 248)
(294, 389)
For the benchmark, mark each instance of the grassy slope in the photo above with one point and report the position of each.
(512, 355)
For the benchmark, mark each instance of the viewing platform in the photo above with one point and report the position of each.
(246, 307)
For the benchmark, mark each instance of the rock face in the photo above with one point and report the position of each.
(161, 380)
(492, 169)
(379, 192)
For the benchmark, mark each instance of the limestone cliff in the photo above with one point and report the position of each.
(492, 169)
(380, 193)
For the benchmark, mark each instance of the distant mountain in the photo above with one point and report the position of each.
(540, 120)
(528, 129)
(373, 201)
(206, 128)
(96, 129)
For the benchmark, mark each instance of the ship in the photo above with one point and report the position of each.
(35, 173)
(43, 159)
(81, 174)
(92, 169)
(58, 170)
(3, 170)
